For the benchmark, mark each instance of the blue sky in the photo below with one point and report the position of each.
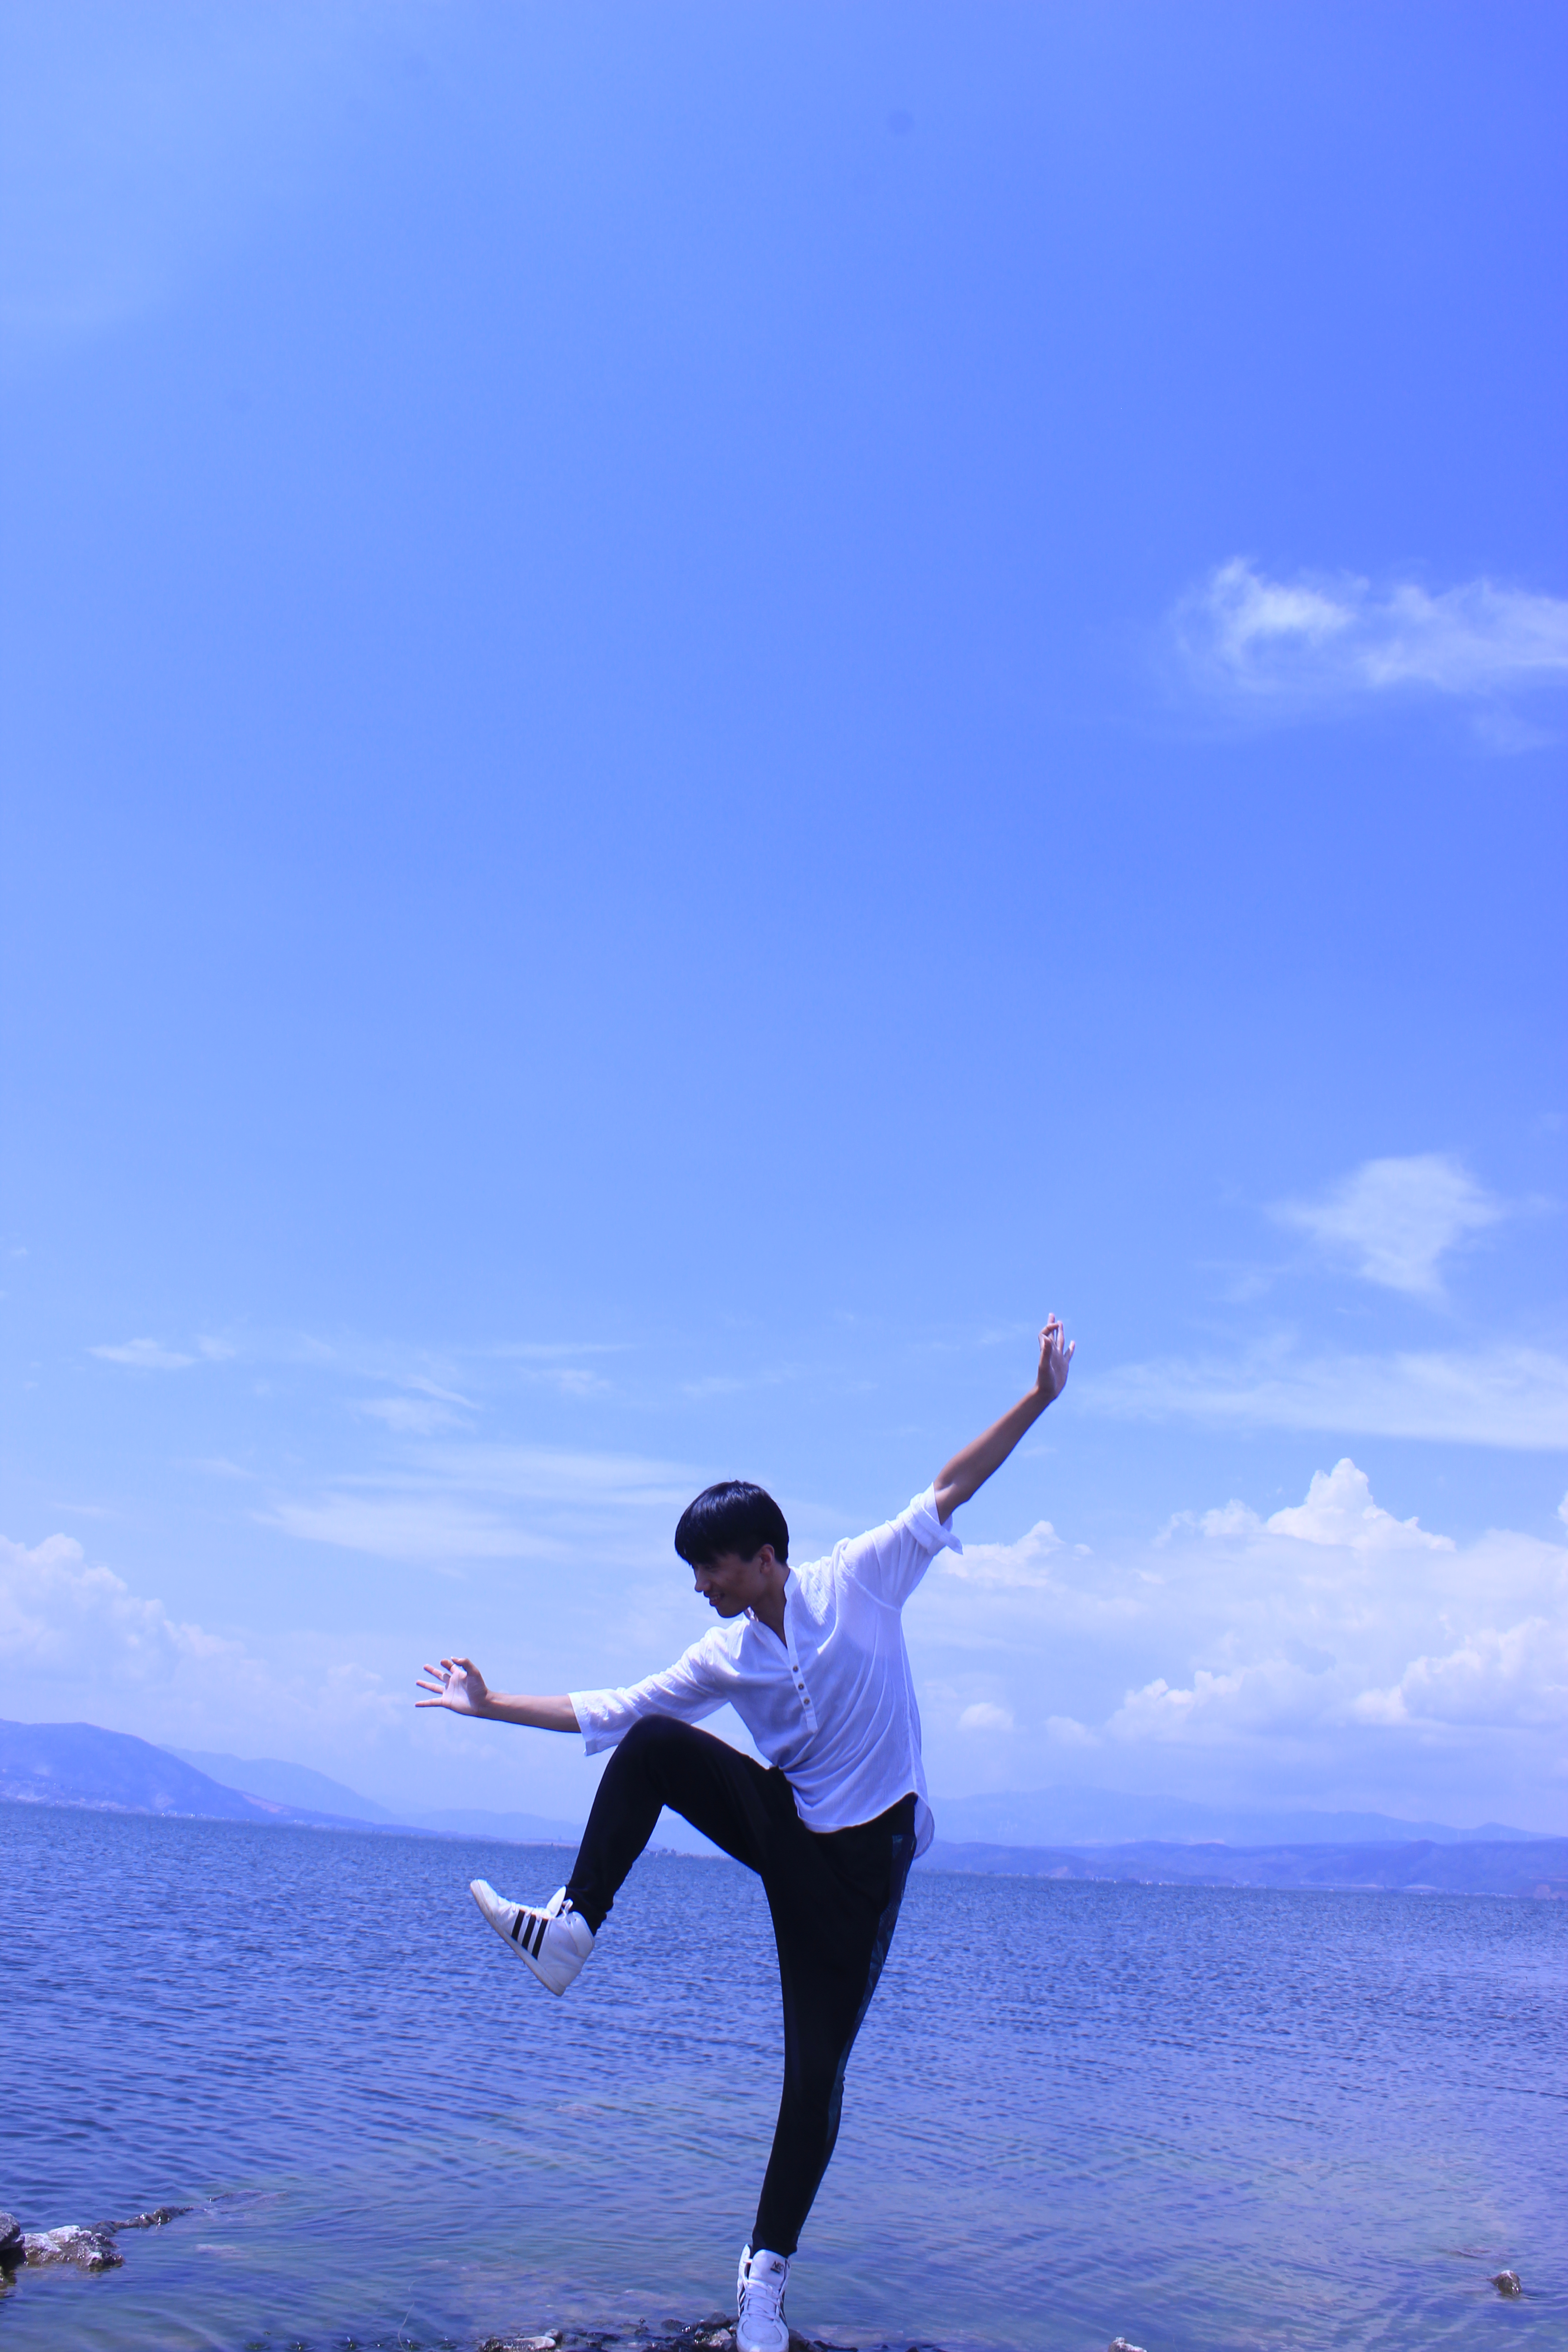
(702, 705)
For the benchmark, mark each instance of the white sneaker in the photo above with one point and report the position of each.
(760, 2323)
(555, 1942)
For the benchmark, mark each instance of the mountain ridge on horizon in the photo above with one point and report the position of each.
(1057, 1817)
(82, 1764)
(1073, 1816)
(1051, 1817)
(1533, 1867)
(271, 1776)
(87, 1764)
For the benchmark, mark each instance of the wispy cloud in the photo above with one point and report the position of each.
(144, 1356)
(456, 1502)
(1509, 1396)
(417, 1525)
(1288, 646)
(412, 1416)
(547, 1475)
(545, 1351)
(1392, 1220)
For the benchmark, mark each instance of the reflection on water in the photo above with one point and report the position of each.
(1201, 2119)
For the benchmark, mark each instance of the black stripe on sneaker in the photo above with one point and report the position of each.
(538, 1935)
(517, 1924)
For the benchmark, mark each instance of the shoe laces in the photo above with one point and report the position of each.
(762, 2296)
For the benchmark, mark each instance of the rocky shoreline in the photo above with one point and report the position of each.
(94, 2248)
(85, 2248)
(716, 2334)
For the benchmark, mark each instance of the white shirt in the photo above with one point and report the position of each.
(832, 1704)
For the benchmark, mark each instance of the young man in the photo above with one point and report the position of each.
(813, 1660)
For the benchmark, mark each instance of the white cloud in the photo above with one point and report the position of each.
(1293, 645)
(1509, 1396)
(1518, 1675)
(1066, 1731)
(56, 1614)
(74, 1638)
(1331, 1650)
(1339, 1509)
(1394, 1219)
(1158, 1712)
(1026, 1562)
(144, 1356)
(985, 1717)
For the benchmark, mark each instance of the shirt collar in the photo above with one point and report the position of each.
(789, 1591)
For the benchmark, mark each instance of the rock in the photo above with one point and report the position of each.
(10, 2237)
(1119, 2344)
(156, 2219)
(1507, 2282)
(89, 2249)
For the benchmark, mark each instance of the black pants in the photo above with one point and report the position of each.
(833, 1896)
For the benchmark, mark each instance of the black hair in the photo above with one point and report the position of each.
(732, 1516)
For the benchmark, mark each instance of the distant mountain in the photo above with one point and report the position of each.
(296, 1784)
(1536, 1866)
(1074, 1817)
(78, 1764)
(512, 1829)
(285, 1784)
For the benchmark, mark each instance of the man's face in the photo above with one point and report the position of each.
(733, 1585)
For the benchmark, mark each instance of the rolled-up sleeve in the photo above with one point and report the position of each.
(891, 1559)
(694, 1686)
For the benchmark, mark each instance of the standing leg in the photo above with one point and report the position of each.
(833, 1940)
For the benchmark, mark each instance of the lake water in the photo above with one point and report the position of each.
(1200, 2119)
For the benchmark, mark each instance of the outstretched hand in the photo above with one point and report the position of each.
(457, 1684)
(1056, 1357)
(968, 1470)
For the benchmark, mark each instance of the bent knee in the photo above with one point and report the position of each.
(651, 1733)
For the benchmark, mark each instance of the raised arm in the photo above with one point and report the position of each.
(968, 1470)
(458, 1684)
